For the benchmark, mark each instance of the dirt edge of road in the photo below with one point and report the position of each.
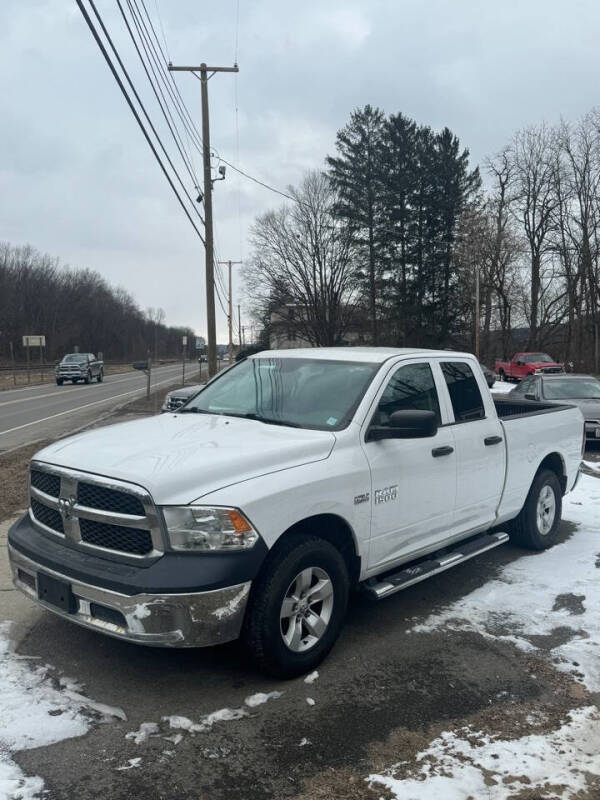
(14, 463)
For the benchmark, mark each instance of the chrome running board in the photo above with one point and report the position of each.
(409, 575)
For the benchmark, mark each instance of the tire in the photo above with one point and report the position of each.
(502, 375)
(537, 525)
(100, 377)
(59, 382)
(88, 378)
(298, 565)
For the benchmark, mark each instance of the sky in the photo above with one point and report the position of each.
(78, 181)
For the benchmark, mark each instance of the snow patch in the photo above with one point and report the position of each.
(144, 732)
(310, 701)
(453, 766)
(303, 742)
(205, 723)
(502, 387)
(312, 677)
(559, 587)
(261, 697)
(132, 763)
(233, 605)
(34, 712)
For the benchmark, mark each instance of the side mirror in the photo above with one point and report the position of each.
(409, 424)
(530, 396)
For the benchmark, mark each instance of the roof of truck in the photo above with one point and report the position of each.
(374, 355)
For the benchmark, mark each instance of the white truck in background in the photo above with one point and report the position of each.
(288, 479)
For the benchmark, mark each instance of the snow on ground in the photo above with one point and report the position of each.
(37, 710)
(502, 387)
(312, 677)
(453, 765)
(261, 697)
(557, 588)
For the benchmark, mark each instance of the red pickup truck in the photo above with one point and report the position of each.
(524, 364)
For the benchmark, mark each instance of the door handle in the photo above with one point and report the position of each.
(492, 440)
(442, 451)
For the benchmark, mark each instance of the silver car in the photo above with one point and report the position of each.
(582, 391)
(176, 398)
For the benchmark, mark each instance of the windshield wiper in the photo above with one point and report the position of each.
(266, 420)
(193, 410)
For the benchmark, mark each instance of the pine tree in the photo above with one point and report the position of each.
(356, 174)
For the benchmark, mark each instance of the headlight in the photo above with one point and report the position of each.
(196, 528)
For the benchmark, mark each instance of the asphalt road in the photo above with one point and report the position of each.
(40, 412)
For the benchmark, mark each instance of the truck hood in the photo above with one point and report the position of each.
(179, 458)
(545, 365)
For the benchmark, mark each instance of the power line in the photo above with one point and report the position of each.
(162, 105)
(138, 119)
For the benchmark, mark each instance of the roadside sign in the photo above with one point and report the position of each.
(184, 340)
(199, 343)
(34, 341)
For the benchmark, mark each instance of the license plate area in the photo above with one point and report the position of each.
(56, 593)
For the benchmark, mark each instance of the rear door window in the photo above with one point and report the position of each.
(467, 402)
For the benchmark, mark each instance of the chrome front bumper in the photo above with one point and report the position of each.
(163, 620)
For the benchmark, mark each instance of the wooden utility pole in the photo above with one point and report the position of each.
(230, 308)
(211, 335)
(240, 325)
(477, 312)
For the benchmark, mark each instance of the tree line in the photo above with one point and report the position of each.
(76, 307)
(391, 242)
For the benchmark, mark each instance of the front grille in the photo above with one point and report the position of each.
(46, 482)
(116, 537)
(47, 516)
(94, 496)
(92, 511)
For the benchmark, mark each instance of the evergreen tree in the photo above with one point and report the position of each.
(356, 174)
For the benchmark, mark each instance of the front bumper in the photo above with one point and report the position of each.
(198, 619)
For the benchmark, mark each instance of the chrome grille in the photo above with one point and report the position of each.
(94, 496)
(46, 482)
(115, 537)
(94, 513)
(47, 516)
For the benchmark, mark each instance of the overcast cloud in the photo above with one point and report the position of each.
(78, 181)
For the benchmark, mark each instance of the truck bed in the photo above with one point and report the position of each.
(512, 409)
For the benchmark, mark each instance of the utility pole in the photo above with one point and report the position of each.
(477, 312)
(230, 309)
(240, 325)
(204, 77)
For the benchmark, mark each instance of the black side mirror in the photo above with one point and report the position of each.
(530, 396)
(409, 424)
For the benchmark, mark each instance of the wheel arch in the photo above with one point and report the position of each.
(555, 463)
(334, 529)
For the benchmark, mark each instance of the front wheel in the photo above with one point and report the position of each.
(537, 525)
(100, 377)
(88, 378)
(59, 382)
(297, 607)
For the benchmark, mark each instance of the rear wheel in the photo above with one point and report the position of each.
(297, 607)
(537, 525)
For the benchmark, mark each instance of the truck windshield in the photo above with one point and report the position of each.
(537, 358)
(572, 388)
(76, 358)
(299, 392)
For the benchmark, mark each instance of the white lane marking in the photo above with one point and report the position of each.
(74, 389)
(79, 408)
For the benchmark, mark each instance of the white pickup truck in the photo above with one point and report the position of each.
(290, 478)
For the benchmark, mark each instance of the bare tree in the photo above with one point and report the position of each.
(532, 166)
(156, 316)
(301, 273)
